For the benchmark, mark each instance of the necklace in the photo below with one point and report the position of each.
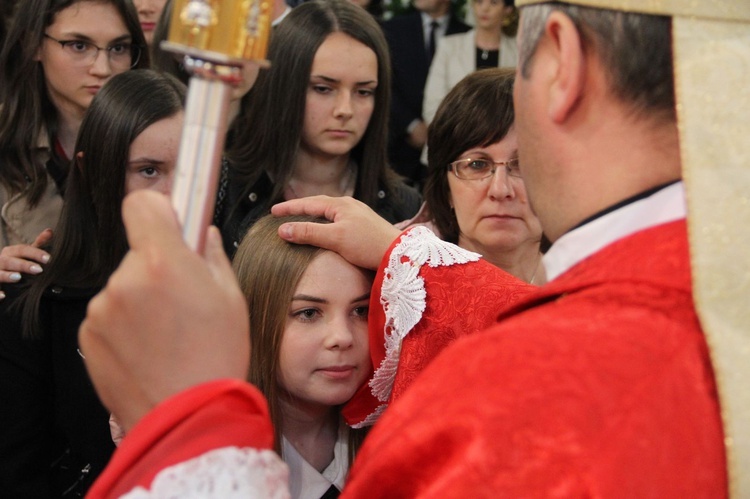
(485, 54)
(346, 186)
(536, 270)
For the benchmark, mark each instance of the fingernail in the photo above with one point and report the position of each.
(15, 276)
(34, 269)
(45, 259)
(285, 231)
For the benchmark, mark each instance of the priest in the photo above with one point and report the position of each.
(620, 378)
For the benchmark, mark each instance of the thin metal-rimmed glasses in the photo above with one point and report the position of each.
(481, 168)
(122, 55)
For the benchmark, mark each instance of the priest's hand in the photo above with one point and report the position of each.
(357, 233)
(168, 318)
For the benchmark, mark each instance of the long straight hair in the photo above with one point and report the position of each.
(90, 239)
(269, 270)
(268, 131)
(26, 110)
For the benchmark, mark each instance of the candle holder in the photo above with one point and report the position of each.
(216, 38)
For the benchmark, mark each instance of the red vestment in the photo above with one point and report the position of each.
(598, 384)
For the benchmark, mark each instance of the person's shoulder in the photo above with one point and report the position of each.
(398, 201)
(459, 40)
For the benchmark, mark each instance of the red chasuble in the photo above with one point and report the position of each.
(599, 384)
(225, 414)
(421, 309)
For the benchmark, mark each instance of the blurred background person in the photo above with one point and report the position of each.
(413, 39)
(490, 44)
(149, 12)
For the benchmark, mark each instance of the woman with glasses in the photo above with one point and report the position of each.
(57, 55)
(54, 432)
(474, 194)
(475, 198)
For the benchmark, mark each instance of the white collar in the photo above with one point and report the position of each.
(305, 482)
(665, 205)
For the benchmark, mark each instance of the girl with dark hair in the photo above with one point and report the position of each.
(309, 350)
(54, 432)
(315, 122)
(57, 55)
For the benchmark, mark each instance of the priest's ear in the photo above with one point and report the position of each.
(567, 55)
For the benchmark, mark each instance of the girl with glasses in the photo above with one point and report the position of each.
(57, 56)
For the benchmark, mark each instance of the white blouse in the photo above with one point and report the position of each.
(305, 482)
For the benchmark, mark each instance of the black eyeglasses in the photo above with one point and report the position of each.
(481, 168)
(122, 55)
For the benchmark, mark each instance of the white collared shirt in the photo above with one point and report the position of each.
(665, 205)
(440, 30)
(305, 482)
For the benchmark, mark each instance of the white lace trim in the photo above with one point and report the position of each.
(403, 298)
(229, 472)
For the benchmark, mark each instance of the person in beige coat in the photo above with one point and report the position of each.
(491, 43)
(51, 67)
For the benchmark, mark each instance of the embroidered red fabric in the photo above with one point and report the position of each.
(597, 385)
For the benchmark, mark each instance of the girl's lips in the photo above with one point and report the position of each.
(339, 133)
(337, 372)
(148, 26)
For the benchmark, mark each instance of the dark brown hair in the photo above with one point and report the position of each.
(477, 112)
(25, 108)
(268, 131)
(90, 239)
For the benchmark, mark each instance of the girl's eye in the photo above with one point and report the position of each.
(362, 311)
(306, 315)
(77, 46)
(321, 89)
(366, 92)
(149, 172)
(119, 49)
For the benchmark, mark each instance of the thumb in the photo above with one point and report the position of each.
(43, 238)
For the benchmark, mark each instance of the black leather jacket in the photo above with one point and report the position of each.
(235, 213)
